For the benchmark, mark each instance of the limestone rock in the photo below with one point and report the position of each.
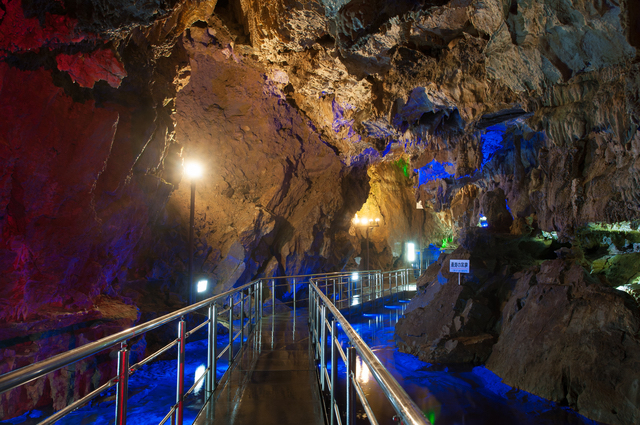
(567, 338)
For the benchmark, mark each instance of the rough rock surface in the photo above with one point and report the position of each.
(568, 338)
(22, 344)
(447, 322)
(305, 114)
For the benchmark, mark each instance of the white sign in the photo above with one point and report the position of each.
(459, 266)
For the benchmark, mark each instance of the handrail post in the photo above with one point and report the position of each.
(182, 325)
(323, 343)
(211, 351)
(334, 290)
(349, 292)
(310, 318)
(122, 390)
(334, 368)
(230, 332)
(351, 391)
(250, 302)
(261, 297)
(273, 297)
(294, 296)
(242, 300)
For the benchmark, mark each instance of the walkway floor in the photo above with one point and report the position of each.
(275, 381)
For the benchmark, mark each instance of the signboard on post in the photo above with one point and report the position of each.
(459, 266)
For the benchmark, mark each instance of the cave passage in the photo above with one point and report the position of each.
(446, 395)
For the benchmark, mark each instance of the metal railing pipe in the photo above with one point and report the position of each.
(122, 390)
(26, 374)
(211, 349)
(404, 406)
(351, 393)
(180, 372)
(334, 368)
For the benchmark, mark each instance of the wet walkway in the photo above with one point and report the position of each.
(274, 383)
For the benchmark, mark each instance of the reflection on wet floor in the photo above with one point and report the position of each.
(275, 381)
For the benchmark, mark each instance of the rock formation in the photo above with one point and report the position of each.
(304, 114)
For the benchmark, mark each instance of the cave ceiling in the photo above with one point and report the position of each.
(306, 113)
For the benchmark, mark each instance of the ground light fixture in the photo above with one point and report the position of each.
(193, 171)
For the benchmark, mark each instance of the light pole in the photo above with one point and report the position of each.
(369, 224)
(193, 170)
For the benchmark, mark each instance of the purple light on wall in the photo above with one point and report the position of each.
(339, 121)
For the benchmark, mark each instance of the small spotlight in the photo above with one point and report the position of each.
(355, 276)
(193, 170)
(202, 285)
(411, 252)
(483, 221)
(377, 220)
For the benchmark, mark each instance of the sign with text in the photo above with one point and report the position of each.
(459, 266)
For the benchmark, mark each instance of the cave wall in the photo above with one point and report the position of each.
(304, 114)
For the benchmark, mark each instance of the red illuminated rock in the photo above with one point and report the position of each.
(86, 69)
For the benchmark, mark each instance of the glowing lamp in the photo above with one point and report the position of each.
(354, 276)
(411, 252)
(193, 170)
(202, 285)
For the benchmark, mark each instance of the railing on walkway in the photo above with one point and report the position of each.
(245, 303)
(232, 302)
(324, 315)
(344, 289)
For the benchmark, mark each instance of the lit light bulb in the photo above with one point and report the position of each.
(356, 220)
(202, 285)
(377, 220)
(193, 170)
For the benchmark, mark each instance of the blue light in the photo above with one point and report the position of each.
(433, 171)
(492, 142)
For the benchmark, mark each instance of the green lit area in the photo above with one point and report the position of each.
(403, 165)
(447, 242)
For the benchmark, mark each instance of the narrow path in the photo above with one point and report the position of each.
(274, 382)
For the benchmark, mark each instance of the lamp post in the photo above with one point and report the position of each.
(369, 224)
(193, 170)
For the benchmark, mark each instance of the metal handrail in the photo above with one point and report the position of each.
(27, 374)
(253, 291)
(250, 292)
(404, 406)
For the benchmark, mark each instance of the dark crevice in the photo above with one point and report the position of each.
(633, 24)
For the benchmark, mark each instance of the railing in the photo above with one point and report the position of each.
(324, 315)
(356, 289)
(245, 302)
(249, 295)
